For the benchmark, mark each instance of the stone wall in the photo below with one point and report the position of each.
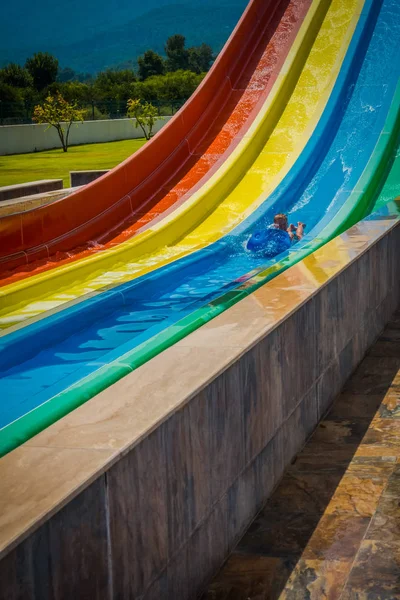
(160, 520)
(78, 178)
(9, 192)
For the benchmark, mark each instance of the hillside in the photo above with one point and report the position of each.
(92, 39)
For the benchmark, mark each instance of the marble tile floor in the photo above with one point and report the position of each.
(331, 530)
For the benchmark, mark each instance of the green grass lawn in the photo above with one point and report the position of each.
(56, 164)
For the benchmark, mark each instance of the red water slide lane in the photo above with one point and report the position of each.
(173, 164)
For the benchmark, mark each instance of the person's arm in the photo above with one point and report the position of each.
(290, 231)
(300, 230)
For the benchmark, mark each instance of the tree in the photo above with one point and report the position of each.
(114, 87)
(44, 68)
(16, 76)
(66, 74)
(84, 77)
(60, 114)
(150, 64)
(145, 115)
(169, 88)
(200, 58)
(145, 90)
(107, 80)
(72, 91)
(179, 85)
(11, 102)
(177, 54)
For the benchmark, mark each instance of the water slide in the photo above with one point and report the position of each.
(347, 166)
(176, 161)
(260, 160)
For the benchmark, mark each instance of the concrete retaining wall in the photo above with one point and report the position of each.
(17, 139)
(24, 203)
(159, 520)
(8, 192)
(78, 178)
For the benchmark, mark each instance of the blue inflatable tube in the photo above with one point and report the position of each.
(269, 242)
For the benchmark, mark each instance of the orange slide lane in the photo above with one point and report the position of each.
(174, 164)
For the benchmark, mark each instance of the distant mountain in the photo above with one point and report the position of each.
(90, 36)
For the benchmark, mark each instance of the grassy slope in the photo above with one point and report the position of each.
(55, 164)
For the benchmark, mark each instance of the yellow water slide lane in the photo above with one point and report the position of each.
(258, 164)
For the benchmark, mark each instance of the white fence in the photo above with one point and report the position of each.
(17, 139)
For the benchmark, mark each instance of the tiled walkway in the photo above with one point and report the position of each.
(331, 530)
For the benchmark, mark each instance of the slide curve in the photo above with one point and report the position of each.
(174, 163)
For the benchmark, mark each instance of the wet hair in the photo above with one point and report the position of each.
(281, 220)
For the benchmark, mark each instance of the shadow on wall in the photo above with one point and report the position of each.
(308, 520)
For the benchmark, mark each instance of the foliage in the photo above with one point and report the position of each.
(72, 91)
(60, 114)
(16, 76)
(170, 87)
(150, 64)
(197, 58)
(200, 58)
(43, 68)
(145, 115)
(11, 102)
(115, 85)
(177, 54)
(66, 74)
(107, 80)
(180, 84)
(94, 114)
(111, 89)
